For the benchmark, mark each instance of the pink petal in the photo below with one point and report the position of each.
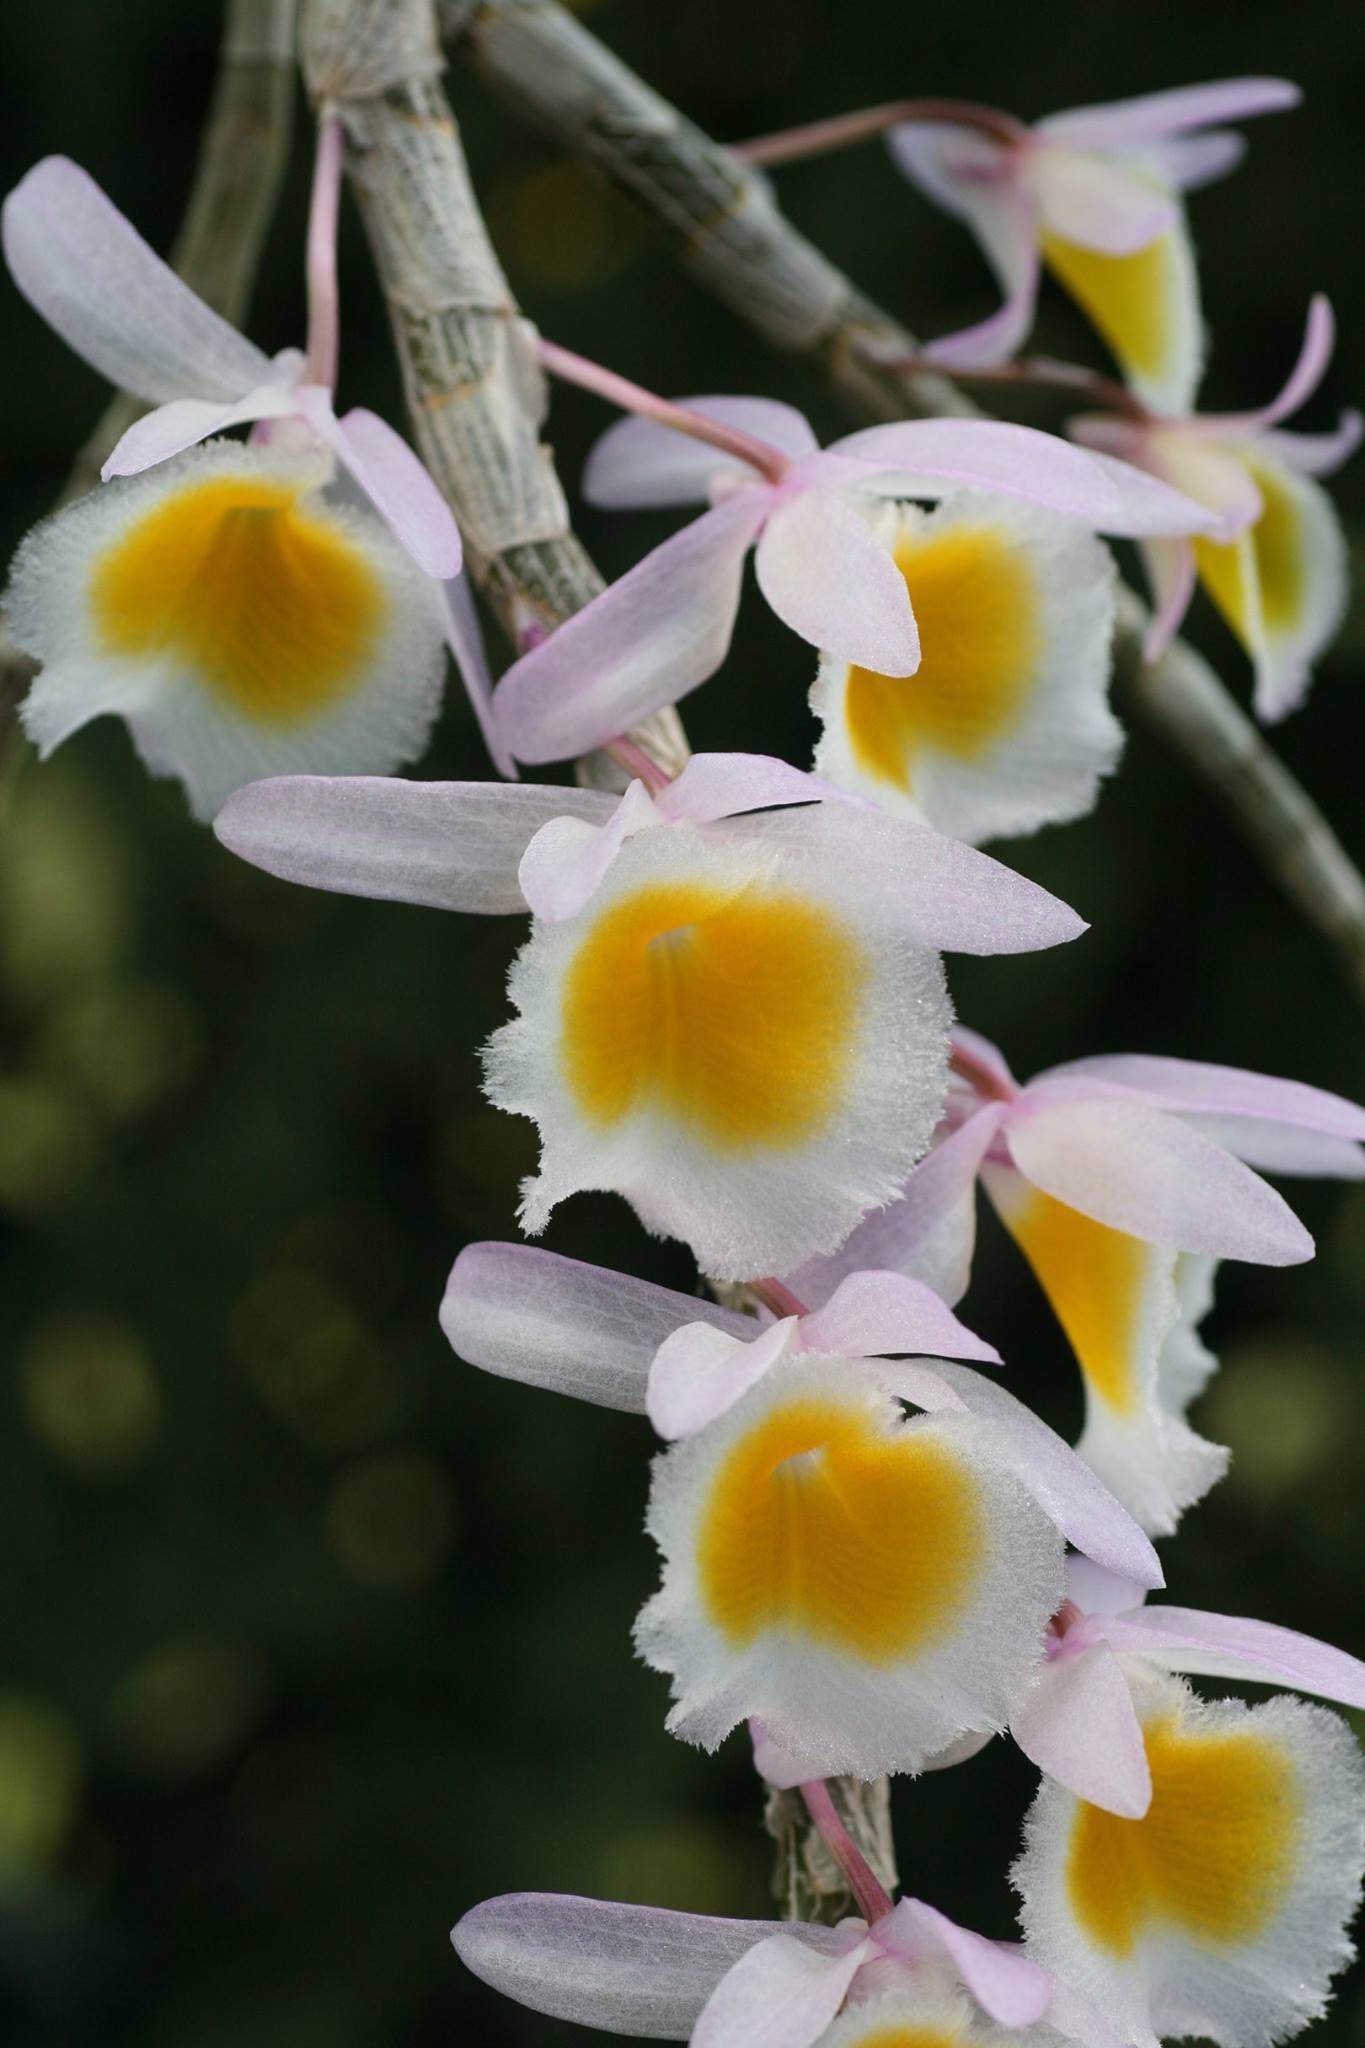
(450, 845)
(872, 1314)
(87, 270)
(399, 487)
(1227, 1646)
(988, 1058)
(976, 179)
(772, 1763)
(782, 1994)
(827, 576)
(1066, 1489)
(1148, 1174)
(530, 1315)
(1317, 454)
(656, 633)
(1128, 123)
(1315, 353)
(1172, 573)
(638, 462)
(1225, 1091)
(1002, 1980)
(715, 786)
(1078, 1724)
(929, 1232)
(699, 1372)
(1191, 161)
(564, 864)
(1111, 496)
(465, 640)
(624, 1969)
(1100, 204)
(943, 894)
(1281, 1148)
(184, 422)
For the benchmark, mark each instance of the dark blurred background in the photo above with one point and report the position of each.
(312, 1635)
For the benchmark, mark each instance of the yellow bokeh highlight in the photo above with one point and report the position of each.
(276, 610)
(1130, 299)
(820, 1523)
(732, 1010)
(977, 612)
(1095, 1279)
(1213, 1856)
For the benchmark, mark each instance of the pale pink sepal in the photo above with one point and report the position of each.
(464, 637)
(401, 490)
(974, 177)
(82, 265)
(929, 1231)
(1064, 1487)
(184, 422)
(656, 633)
(1205, 1087)
(982, 1054)
(1283, 1148)
(449, 845)
(1150, 1175)
(1171, 574)
(1190, 161)
(624, 1969)
(699, 1372)
(782, 1994)
(1112, 496)
(564, 864)
(1005, 1984)
(1316, 454)
(1100, 203)
(534, 1316)
(1096, 1591)
(1077, 1722)
(1230, 1646)
(1315, 353)
(873, 1314)
(1119, 124)
(827, 576)
(713, 786)
(639, 463)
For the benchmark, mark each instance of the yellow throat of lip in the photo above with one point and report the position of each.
(977, 613)
(274, 609)
(733, 1011)
(794, 1537)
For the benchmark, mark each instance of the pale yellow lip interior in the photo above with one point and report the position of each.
(733, 1011)
(1213, 1856)
(275, 610)
(1130, 299)
(821, 1524)
(1096, 1279)
(977, 612)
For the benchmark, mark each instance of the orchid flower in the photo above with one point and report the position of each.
(1280, 580)
(1223, 1910)
(1005, 724)
(230, 605)
(1094, 195)
(1122, 1179)
(739, 1022)
(1080, 1722)
(911, 1974)
(665, 625)
(782, 1598)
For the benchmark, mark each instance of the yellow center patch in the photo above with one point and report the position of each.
(822, 1524)
(1213, 1856)
(1130, 299)
(1270, 562)
(1095, 1278)
(913, 2037)
(275, 610)
(732, 1010)
(977, 613)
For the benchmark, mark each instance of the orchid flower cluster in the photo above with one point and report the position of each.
(731, 1010)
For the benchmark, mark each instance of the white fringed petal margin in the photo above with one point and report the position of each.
(761, 1196)
(1005, 726)
(962, 1638)
(378, 717)
(1224, 1912)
